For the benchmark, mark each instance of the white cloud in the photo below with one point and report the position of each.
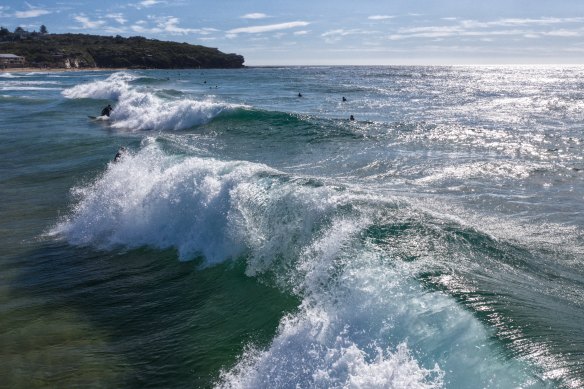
(432, 31)
(115, 30)
(266, 28)
(86, 23)
(303, 32)
(526, 28)
(514, 22)
(334, 36)
(31, 13)
(138, 27)
(207, 31)
(147, 4)
(255, 15)
(564, 33)
(380, 17)
(168, 25)
(117, 17)
(3, 10)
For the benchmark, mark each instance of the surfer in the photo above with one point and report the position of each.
(344, 99)
(107, 110)
(352, 117)
(299, 94)
(120, 154)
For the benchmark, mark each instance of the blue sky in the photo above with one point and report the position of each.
(322, 32)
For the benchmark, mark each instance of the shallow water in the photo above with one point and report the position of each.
(249, 237)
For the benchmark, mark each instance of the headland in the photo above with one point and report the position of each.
(86, 52)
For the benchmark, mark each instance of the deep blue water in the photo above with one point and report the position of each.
(249, 237)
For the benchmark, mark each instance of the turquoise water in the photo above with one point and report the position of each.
(249, 237)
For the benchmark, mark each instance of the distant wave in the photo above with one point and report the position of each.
(142, 109)
(25, 88)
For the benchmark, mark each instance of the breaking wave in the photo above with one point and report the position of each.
(364, 319)
(141, 108)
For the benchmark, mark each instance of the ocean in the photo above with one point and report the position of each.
(252, 236)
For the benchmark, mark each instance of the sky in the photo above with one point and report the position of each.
(323, 32)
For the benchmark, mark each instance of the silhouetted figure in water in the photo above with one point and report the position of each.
(107, 110)
(120, 154)
(344, 99)
(299, 94)
(352, 117)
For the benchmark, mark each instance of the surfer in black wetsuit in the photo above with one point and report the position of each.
(352, 117)
(107, 110)
(120, 154)
(344, 99)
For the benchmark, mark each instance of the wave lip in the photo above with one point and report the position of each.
(144, 111)
(111, 88)
(147, 200)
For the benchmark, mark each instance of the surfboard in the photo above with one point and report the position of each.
(92, 117)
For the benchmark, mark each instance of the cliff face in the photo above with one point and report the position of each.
(80, 50)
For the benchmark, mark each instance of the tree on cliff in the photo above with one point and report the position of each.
(44, 29)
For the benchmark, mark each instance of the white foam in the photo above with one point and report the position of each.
(145, 111)
(467, 171)
(147, 200)
(110, 88)
(364, 320)
(341, 335)
(25, 88)
(20, 83)
(142, 109)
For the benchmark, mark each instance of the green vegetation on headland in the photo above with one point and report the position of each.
(89, 51)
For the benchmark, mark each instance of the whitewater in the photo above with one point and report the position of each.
(250, 237)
